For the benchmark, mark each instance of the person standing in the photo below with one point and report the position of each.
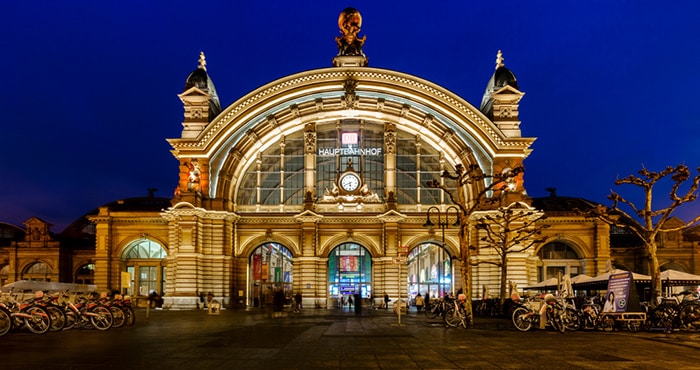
(297, 302)
(386, 301)
(419, 302)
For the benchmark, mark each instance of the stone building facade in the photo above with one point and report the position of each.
(316, 183)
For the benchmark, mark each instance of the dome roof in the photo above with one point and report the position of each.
(501, 78)
(200, 79)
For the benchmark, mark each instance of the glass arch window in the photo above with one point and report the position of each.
(4, 274)
(145, 262)
(556, 258)
(278, 175)
(349, 271)
(270, 268)
(38, 271)
(416, 164)
(85, 274)
(429, 271)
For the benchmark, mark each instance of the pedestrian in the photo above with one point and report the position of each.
(358, 304)
(278, 302)
(426, 300)
(386, 301)
(419, 302)
(297, 302)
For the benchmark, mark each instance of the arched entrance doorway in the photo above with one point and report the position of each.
(270, 268)
(349, 272)
(145, 262)
(429, 271)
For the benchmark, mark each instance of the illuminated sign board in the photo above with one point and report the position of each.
(349, 138)
(325, 152)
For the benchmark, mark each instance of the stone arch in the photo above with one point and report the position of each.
(575, 243)
(127, 241)
(451, 245)
(331, 243)
(253, 243)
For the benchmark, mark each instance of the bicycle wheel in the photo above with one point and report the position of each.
(690, 317)
(39, 322)
(58, 318)
(521, 319)
(607, 323)
(433, 312)
(5, 322)
(557, 320)
(634, 326)
(130, 315)
(101, 318)
(118, 316)
(573, 319)
(71, 319)
(662, 317)
(453, 317)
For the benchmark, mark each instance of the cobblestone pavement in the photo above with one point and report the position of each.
(335, 339)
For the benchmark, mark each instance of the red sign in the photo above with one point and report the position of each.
(349, 138)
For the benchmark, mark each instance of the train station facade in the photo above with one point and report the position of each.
(317, 183)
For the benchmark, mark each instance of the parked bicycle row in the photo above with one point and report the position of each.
(62, 311)
(679, 312)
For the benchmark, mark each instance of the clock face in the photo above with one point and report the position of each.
(350, 182)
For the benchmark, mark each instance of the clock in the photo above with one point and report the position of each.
(349, 182)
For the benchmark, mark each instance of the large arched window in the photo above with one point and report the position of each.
(145, 262)
(429, 271)
(349, 271)
(4, 274)
(37, 271)
(270, 268)
(85, 274)
(558, 258)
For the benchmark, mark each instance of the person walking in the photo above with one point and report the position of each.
(386, 301)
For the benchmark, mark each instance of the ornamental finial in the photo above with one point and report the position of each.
(499, 60)
(202, 61)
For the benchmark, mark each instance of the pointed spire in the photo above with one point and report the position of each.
(499, 60)
(202, 61)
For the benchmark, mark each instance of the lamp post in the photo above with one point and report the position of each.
(440, 223)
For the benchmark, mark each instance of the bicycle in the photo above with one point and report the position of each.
(456, 315)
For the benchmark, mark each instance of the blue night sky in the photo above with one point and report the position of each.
(90, 91)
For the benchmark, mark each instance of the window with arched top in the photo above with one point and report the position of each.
(269, 268)
(350, 271)
(38, 271)
(85, 274)
(429, 271)
(558, 258)
(145, 262)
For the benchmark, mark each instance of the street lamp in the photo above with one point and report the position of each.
(441, 224)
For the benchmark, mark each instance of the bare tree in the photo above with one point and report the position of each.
(457, 191)
(650, 222)
(510, 229)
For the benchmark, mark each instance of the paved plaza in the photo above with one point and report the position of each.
(339, 339)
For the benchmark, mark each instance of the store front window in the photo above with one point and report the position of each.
(270, 268)
(429, 271)
(349, 271)
(145, 262)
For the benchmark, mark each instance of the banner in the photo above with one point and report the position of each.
(617, 295)
(257, 267)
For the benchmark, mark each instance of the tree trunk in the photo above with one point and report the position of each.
(655, 271)
(466, 269)
(504, 276)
